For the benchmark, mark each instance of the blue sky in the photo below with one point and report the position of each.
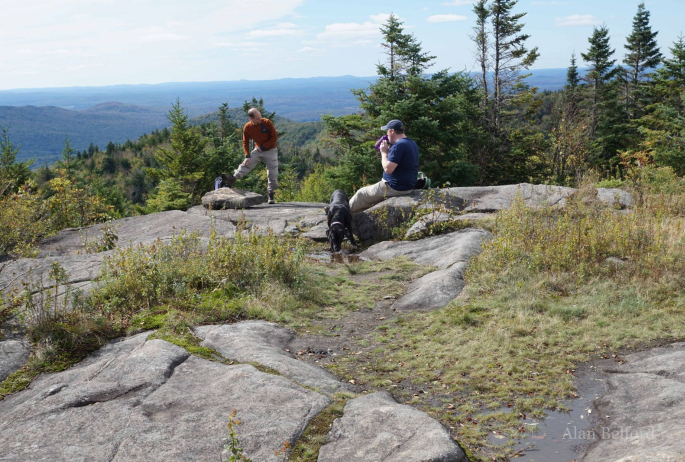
(57, 43)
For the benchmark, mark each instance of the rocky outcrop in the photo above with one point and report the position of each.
(229, 198)
(143, 229)
(33, 273)
(152, 401)
(266, 343)
(266, 218)
(375, 428)
(378, 222)
(642, 413)
(450, 253)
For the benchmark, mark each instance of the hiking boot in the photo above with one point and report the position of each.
(271, 198)
(228, 179)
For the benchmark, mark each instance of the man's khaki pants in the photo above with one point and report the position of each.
(270, 159)
(368, 196)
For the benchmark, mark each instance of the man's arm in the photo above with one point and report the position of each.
(388, 166)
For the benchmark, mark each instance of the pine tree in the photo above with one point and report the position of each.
(572, 76)
(643, 55)
(601, 69)
(184, 160)
(13, 174)
(670, 79)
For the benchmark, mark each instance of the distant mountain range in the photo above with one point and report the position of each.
(40, 119)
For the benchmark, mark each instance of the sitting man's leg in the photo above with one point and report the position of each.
(368, 196)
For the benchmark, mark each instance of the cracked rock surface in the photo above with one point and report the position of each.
(642, 413)
(266, 343)
(376, 428)
(150, 400)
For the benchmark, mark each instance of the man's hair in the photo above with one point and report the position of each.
(252, 111)
(398, 131)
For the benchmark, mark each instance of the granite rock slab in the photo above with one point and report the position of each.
(266, 343)
(143, 229)
(150, 400)
(376, 428)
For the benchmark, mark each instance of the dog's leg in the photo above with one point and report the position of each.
(351, 238)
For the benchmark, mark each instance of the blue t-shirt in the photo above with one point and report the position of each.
(405, 153)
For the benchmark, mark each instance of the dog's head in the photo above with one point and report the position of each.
(335, 235)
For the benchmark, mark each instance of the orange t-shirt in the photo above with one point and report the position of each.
(264, 135)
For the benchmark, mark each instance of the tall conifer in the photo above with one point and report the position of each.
(643, 54)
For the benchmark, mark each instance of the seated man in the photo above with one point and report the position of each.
(400, 161)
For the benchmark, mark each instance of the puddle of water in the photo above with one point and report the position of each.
(561, 436)
(336, 257)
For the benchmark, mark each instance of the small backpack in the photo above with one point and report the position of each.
(423, 181)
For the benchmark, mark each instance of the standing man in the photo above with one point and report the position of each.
(400, 161)
(263, 133)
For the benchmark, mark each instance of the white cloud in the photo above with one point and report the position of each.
(236, 45)
(446, 18)
(549, 3)
(459, 3)
(346, 31)
(163, 37)
(305, 49)
(576, 20)
(273, 32)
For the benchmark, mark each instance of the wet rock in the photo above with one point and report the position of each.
(642, 413)
(13, 356)
(152, 401)
(144, 229)
(375, 427)
(229, 198)
(265, 343)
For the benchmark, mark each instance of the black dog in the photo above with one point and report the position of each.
(339, 220)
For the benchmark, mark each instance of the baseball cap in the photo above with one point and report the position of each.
(393, 124)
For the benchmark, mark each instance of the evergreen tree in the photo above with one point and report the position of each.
(643, 55)
(601, 69)
(509, 57)
(670, 79)
(439, 111)
(13, 174)
(572, 76)
(184, 159)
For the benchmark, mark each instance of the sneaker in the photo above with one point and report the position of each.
(228, 179)
(271, 198)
